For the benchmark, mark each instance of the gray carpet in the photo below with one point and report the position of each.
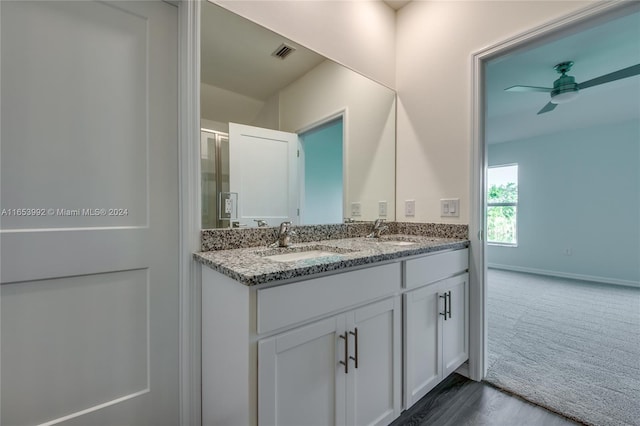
(570, 346)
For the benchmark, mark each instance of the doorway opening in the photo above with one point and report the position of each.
(571, 160)
(321, 173)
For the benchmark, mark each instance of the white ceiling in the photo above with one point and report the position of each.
(599, 49)
(396, 4)
(248, 67)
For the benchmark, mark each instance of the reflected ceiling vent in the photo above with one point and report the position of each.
(283, 51)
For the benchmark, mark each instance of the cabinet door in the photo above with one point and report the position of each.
(374, 378)
(300, 379)
(422, 335)
(455, 329)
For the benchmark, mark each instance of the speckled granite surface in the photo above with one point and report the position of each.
(250, 266)
(437, 230)
(227, 239)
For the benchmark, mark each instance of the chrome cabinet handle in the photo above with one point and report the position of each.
(444, 314)
(355, 334)
(449, 311)
(346, 352)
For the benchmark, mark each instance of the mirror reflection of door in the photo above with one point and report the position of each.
(263, 172)
(321, 174)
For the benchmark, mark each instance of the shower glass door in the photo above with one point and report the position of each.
(214, 166)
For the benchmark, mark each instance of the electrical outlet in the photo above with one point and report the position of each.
(228, 206)
(356, 209)
(382, 208)
(450, 207)
(410, 208)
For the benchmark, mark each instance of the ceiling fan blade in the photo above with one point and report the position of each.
(548, 107)
(528, 89)
(616, 75)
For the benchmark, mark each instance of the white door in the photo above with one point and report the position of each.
(422, 354)
(374, 379)
(455, 329)
(301, 381)
(263, 172)
(89, 186)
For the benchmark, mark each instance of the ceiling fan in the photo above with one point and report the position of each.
(565, 87)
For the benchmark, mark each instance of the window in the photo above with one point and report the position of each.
(502, 205)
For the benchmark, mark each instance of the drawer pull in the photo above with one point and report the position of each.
(346, 352)
(449, 305)
(444, 314)
(355, 334)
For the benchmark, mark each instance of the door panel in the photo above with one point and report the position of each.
(90, 297)
(455, 330)
(300, 380)
(74, 128)
(422, 342)
(263, 171)
(95, 331)
(375, 384)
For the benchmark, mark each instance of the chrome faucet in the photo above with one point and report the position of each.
(261, 223)
(284, 235)
(378, 228)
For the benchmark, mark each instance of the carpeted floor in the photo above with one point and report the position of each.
(570, 346)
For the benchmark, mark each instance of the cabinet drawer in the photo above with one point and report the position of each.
(289, 304)
(434, 267)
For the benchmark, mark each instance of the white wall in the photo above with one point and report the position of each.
(357, 34)
(369, 165)
(434, 44)
(214, 125)
(577, 190)
(269, 116)
(434, 41)
(224, 106)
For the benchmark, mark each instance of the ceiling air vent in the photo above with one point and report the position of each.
(283, 51)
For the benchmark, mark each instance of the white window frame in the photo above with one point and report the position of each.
(505, 204)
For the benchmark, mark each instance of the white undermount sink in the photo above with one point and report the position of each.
(293, 254)
(399, 243)
(301, 255)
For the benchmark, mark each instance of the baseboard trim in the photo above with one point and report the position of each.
(591, 278)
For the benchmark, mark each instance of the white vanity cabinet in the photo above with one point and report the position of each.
(326, 350)
(435, 318)
(343, 370)
(334, 349)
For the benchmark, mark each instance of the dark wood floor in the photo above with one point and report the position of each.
(458, 401)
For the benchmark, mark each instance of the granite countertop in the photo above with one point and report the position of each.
(251, 267)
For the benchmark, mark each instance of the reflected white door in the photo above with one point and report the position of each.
(263, 171)
(89, 185)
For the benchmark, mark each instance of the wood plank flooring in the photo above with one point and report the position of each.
(458, 401)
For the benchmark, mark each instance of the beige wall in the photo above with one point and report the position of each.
(357, 34)
(434, 44)
(434, 41)
(369, 125)
(224, 106)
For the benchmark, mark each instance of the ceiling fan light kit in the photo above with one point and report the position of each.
(565, 88)
(564, 97)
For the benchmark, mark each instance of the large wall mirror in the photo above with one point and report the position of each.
(288, 134)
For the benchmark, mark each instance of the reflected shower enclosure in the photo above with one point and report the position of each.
(214, 166)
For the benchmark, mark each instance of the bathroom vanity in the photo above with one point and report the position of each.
(346, 331)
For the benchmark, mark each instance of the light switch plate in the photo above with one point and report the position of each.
(450, 207)
(410, 208)
(356, 209)
(382, 208)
